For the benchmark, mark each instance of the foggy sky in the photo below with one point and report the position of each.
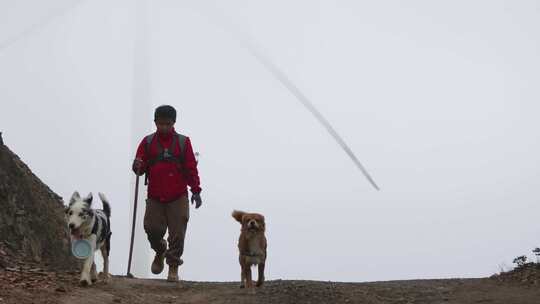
(439, 100)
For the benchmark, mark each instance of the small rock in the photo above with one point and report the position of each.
(61, 289)
(117, 300)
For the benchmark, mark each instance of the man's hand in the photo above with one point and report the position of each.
(138, 167)
(196, 198)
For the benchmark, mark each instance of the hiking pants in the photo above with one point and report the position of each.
(173, 216)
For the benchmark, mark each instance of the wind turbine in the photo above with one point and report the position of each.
(142, 84)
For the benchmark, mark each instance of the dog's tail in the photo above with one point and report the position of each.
(238, 215)
(106, 205)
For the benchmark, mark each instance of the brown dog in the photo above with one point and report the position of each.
(252, 246)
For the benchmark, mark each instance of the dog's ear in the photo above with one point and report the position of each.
(262, 221)
(238, 215)
(89, 212)
(88, 199)
(74, 197)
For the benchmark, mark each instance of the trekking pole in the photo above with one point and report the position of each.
(129, 275)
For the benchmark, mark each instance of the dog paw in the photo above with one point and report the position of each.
(103, 276)
(259, 283)
(85, 282)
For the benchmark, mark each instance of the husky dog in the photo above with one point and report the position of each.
(94, 226)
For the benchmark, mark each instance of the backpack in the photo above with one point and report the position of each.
(165, 154)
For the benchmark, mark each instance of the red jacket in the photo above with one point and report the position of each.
(166, 181)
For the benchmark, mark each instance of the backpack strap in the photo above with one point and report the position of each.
(148, 139)
(182, 143)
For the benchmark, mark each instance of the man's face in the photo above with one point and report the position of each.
(164, 125)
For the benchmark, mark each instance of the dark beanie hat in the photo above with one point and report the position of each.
(165, 111)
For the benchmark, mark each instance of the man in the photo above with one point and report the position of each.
(167, 159)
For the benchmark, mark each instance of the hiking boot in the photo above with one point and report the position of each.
(158, 263)
(173, 273)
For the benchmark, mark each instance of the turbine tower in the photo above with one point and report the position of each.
(141, 121)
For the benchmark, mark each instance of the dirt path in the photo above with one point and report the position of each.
(123, 290)
(30, 285)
